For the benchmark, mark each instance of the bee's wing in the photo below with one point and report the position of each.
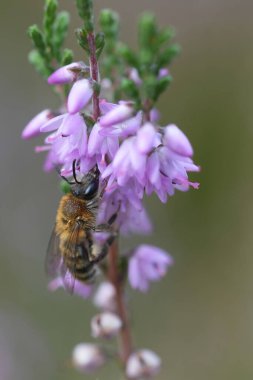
(53, 256)
(72, 248)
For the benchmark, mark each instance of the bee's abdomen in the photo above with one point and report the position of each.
(77, 261)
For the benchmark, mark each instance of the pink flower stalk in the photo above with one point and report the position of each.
(147, 264)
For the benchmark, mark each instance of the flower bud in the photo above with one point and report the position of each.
(66, 74)
(87, 357)
(146, 138)
(143, 364)
(33, 127)
(105, 325)
(79, 96)
(105, 297)
(176, 140)
(117, 115)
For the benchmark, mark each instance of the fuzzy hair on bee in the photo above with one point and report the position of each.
(72, 251)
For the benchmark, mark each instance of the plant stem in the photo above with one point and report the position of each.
(116, 280)
(94, 74)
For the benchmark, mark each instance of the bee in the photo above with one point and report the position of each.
(72, 252)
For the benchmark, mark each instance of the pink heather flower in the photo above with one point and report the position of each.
(154, 116)
(68, 142)
(125, 128)
(147, 263)
(131, 215)
(106, 106)
(131, 158)
(79, 96)
(81, 289)
(33, 127)
(66, 74)
(105, 325)
(118, 114)
(104, 297)
(153, 161)
(101, 145)
(143, 364)
(87, 357)
(176, 140)
(134, 76)
(163, 72)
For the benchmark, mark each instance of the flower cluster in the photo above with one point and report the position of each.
(134, 156)
(112, 125)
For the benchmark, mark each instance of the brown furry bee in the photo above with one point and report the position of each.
(72, 252)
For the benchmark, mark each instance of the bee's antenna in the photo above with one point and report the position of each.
(74, 172)
(64, 178)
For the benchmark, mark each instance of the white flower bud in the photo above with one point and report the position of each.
(105, 325)
(143, 364)
(87, 357)
(105, 297)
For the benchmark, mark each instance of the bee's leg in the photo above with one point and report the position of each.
(100, 250)
(107, 227)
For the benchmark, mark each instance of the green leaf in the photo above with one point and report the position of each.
(168, 55)
(81, 35)
(147, 31)
(131, 90)
(60, 29)
(49, 19)
(37, 38)
(165, 35)
(100, 43)
(161, 85)
(38, 62)
(109, 23)
(128, 55)
(85, 10)
(67, 57)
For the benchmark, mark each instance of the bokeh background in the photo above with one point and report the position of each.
(200, 318)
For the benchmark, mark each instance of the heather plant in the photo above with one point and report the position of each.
(107, 119)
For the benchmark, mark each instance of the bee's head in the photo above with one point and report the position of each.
(87, 189)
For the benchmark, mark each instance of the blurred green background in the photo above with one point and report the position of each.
(200, 318)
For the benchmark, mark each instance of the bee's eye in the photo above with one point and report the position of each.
(91, 189)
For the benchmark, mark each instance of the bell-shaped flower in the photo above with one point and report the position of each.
(33, 127)
(118, 114)
(126, 202)
(87, 357)
(79, 96)
(67, 74)
(147, 264)
(104, 297)
(105, 325)
(69, 141)
(177, 141)
(80, 288)
(143, 364)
